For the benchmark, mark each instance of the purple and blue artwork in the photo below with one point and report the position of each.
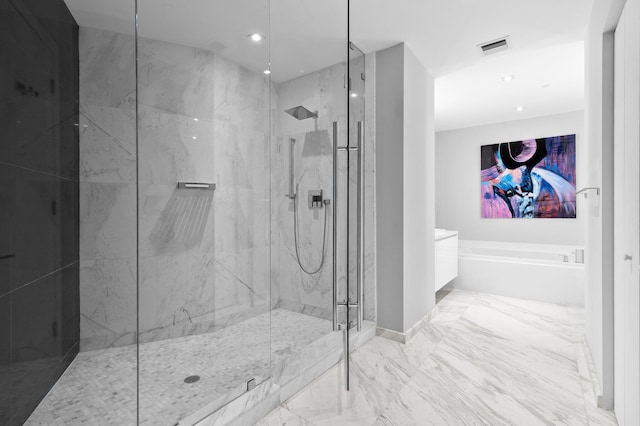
(533, 178)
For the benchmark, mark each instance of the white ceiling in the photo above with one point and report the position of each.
(307, 35)
(547, 81)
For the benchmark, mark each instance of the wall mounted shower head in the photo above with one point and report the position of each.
(301, 113)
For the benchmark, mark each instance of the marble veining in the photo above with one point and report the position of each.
(322, 91)
(107, 151)
(204, 257)
(100, 386)
(481, 360)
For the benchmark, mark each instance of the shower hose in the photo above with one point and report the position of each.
(309, 271)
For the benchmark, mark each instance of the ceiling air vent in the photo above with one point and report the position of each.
(494, 46)
(215, 46)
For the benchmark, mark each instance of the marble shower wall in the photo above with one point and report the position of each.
(370, 277)
(203, 256)
(321, 91)
(107, 189)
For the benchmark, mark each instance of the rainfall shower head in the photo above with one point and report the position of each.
(301, 113)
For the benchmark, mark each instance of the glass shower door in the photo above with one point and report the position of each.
(204, 211)
(308, 69)
(351, 157)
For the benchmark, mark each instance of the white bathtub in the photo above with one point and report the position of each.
(546, 273)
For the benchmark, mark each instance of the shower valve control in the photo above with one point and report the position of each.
(316, 200)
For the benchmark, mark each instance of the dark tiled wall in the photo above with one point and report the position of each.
(39, 302)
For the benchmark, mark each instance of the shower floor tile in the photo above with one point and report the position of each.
(99, 387)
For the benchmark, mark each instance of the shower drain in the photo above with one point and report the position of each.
(192, 379)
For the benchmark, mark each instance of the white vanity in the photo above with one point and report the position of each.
(446, 256)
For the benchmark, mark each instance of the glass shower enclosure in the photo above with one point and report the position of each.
(222, 204)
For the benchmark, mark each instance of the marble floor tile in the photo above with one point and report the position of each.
(459, 297)
(448, 315)
(421, 402)
(283, 417)
(326, 402)
(510, 326)
(599, 417)
(506, 382)
(482, 360)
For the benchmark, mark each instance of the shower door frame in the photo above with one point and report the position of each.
(348, 149)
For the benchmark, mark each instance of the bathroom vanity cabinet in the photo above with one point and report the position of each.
(446, 256)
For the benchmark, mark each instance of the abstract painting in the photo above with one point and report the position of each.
(533, 178)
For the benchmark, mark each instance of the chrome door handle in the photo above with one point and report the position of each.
(628, 257)
(334, 222)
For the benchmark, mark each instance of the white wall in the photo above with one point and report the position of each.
(419, 185)
(389, 155)
(458, 181)
(626, 212)
(598, 222)
(404, 189)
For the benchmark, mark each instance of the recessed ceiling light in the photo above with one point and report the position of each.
(519, 108)
(508, 78)
(256, 37)
(354, 95)
(195, 119)
(194, 137)
(267, 72)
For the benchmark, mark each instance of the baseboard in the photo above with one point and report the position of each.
(405, 337)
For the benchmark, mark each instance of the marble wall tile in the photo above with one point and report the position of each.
(204, 256)
(174, 148)
(107, 144)
(292, 285)
(108, 189)
(108, 301)
(370, 276)
(227, 220)
(313, 170)
(247, 220)
(245, 270)
(107, 221)
(241, 157)
(175, 221)
(182, 291)
(241, 97)
(168, 292)
(176, 79)
(107, 68)
(322, 91)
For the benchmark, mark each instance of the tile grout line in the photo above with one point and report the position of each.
(395, 396)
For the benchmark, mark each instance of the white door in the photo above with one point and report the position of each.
(627, 217)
